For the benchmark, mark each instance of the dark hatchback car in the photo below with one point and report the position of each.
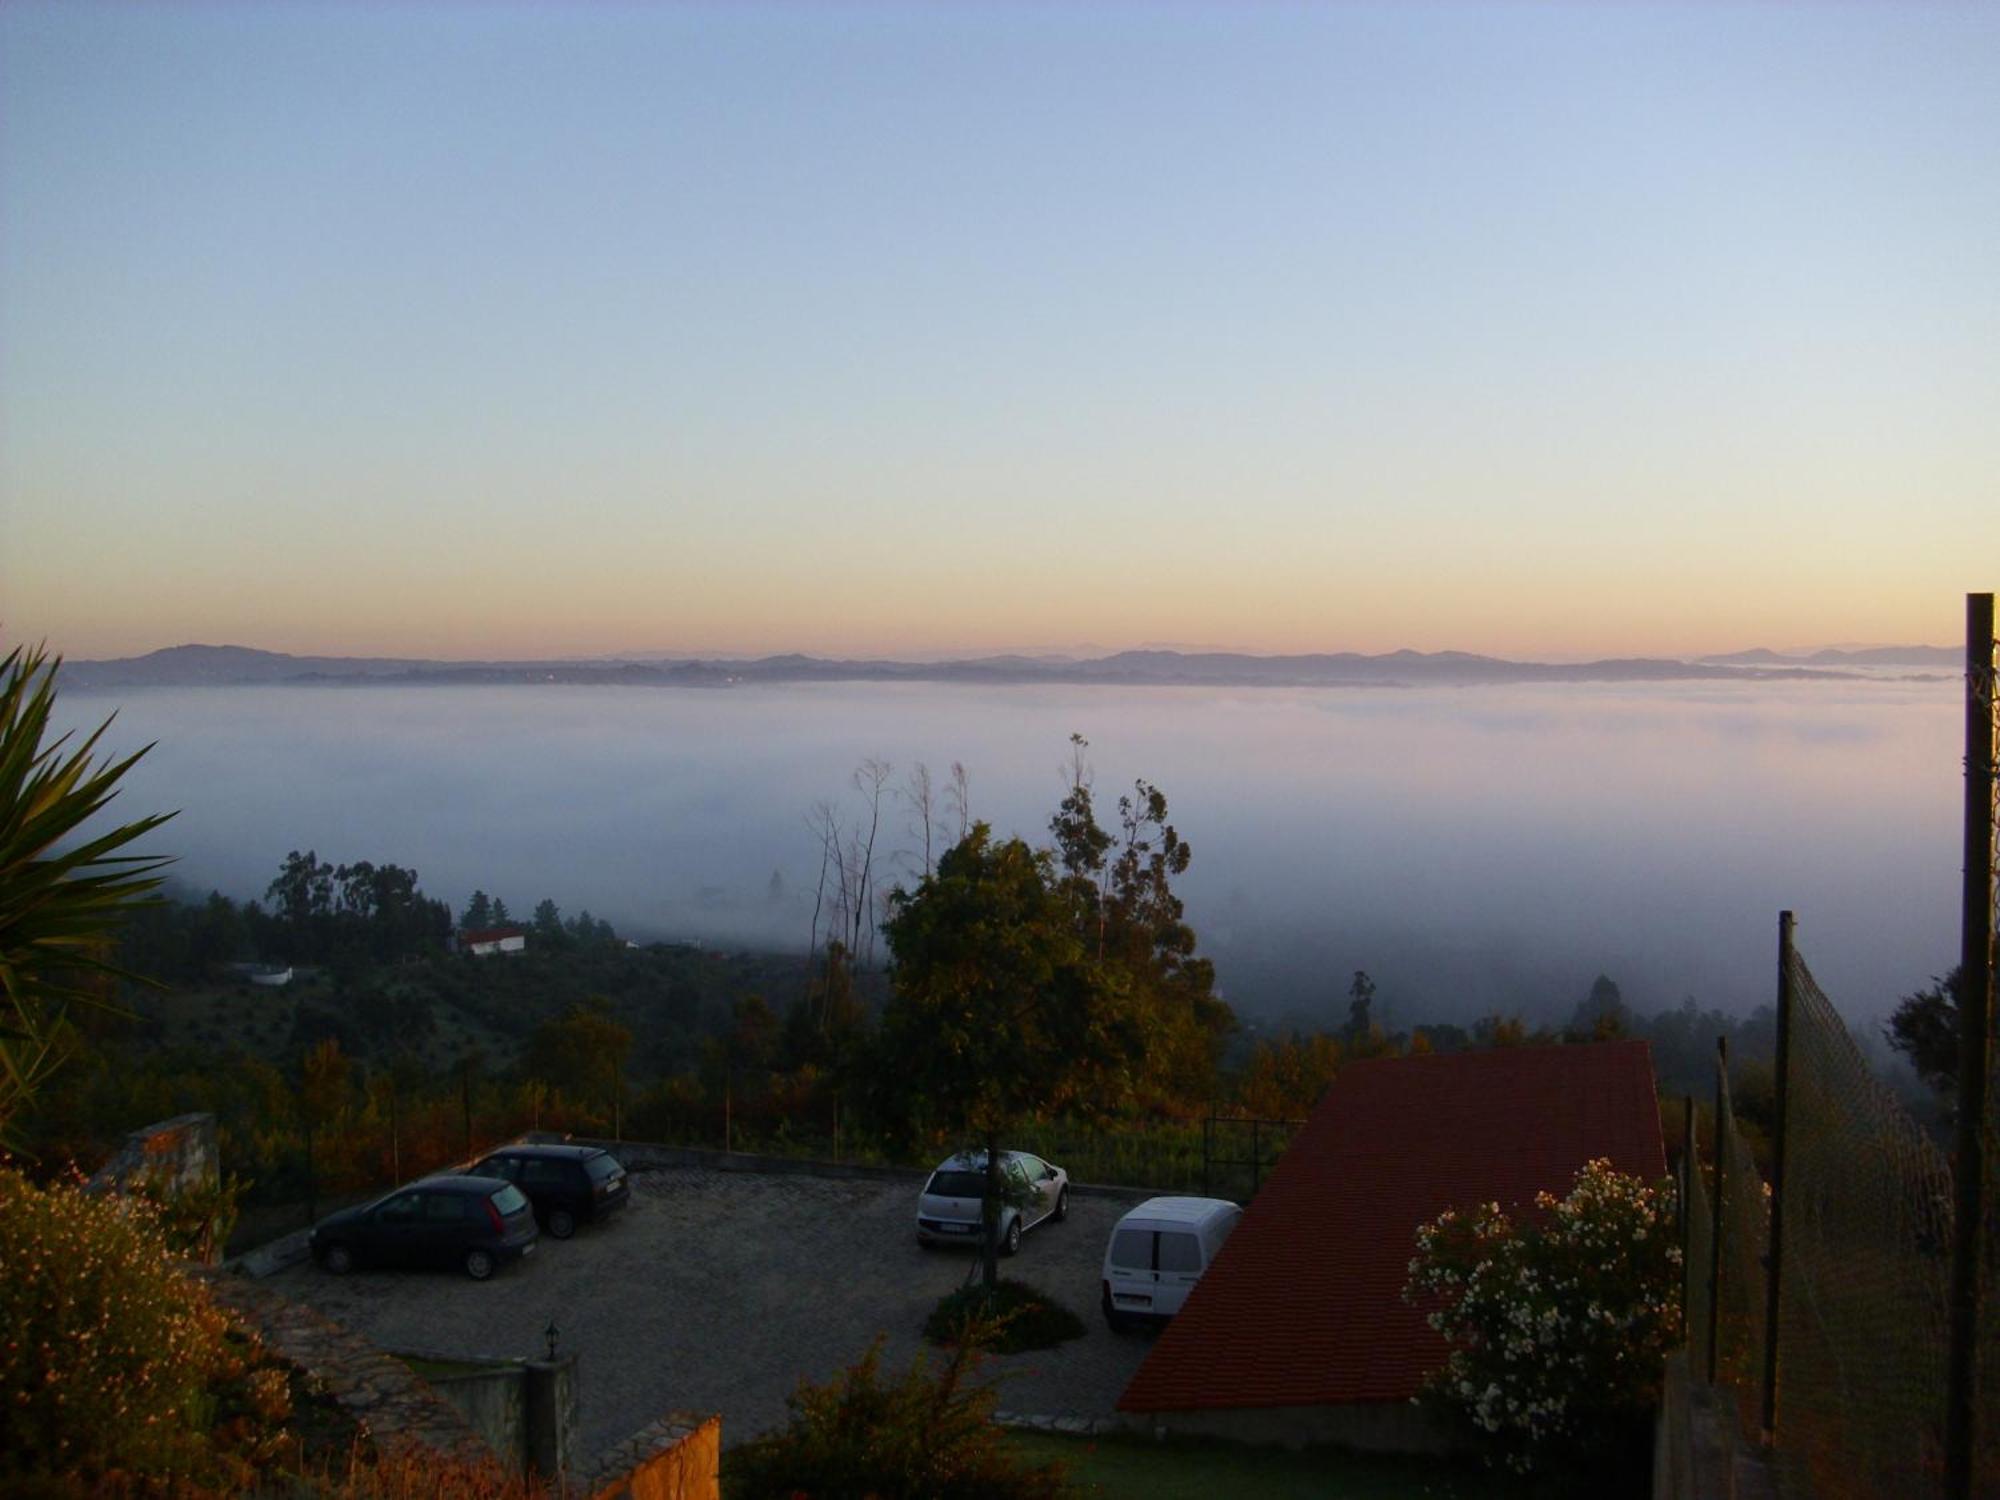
(569, 1185)
(475, 1223)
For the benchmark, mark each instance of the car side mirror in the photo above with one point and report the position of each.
(1048, 1174)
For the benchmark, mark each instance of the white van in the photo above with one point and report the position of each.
(1156, 1255)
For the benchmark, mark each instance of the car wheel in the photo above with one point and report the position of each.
(479, 1264)
(1010, 1239)
(1062, 1205)
(338, 1259)
(562, 1223)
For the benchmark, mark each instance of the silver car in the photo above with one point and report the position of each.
(950, 1210)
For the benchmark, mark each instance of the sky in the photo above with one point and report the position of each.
(489, 330)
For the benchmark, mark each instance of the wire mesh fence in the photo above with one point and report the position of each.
(1743, 1227)
(1864, 1276)
(1697, 1260)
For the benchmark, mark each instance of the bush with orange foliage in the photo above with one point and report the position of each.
(117, 1371)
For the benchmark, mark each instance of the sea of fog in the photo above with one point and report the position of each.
(1474, 849)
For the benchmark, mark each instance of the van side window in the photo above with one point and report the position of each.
(1132, 1250)
(1179, 1252)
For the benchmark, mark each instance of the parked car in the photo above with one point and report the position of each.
(951, 1208)
(1156, 1255)
(475, 1223)
(568, 1185)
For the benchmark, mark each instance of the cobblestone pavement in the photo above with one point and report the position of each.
(720, 1291)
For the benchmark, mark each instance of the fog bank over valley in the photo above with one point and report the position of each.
(1474, 848)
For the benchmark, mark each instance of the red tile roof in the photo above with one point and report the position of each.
(1304, 1306)
(471, 935)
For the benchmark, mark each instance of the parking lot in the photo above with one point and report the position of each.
(719, 1291)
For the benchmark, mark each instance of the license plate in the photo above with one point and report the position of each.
(957, 1228)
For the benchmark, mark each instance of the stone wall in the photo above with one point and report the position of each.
(175, 1159)
(390, 1403)
(174, 1156)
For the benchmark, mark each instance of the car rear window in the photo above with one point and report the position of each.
(957, 1185)
(602, 1167)
(1132, 1249)
(1179, 1252)
(509, 1200)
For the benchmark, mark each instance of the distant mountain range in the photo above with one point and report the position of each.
(1864, 656)
(185, 666)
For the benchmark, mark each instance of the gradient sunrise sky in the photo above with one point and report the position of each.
(481, 330)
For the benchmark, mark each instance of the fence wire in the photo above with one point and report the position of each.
(1865, 1275)
(1743, 1224)
(1699, 1250)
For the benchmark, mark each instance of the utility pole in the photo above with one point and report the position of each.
(1975, 1027)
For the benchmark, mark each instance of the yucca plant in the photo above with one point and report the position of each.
(62, 893)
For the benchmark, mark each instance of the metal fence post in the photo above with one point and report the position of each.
(1716, 1217)
(1687, 1175)
(1975, 1022)
(1774, 1262)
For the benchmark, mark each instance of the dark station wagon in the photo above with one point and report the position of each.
(568, 1185)
(475, 1223)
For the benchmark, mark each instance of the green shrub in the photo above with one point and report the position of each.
(111, 1358)
(1011, 1317)
(912, 1436)
(1559, 1325)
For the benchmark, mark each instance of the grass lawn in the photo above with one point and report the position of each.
(1197, 1469)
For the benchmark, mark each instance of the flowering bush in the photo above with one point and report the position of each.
(116, 1369)
(1558, 1324)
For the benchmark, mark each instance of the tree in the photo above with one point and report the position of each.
(583, 1053)
(478, 911)
(302, 901)
(1119, 888)
(1924, 1028)
(1361, 1036)
(1602, 1015)
(995, 1012)
(63, 894)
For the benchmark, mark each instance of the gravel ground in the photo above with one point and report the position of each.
(720, 1291)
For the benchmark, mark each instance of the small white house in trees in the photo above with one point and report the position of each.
(481, 942)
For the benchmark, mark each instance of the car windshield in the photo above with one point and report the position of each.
(602, 1167)
(957, 1185)
(509, 1200)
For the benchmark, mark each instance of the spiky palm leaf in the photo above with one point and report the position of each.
(59, 906)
